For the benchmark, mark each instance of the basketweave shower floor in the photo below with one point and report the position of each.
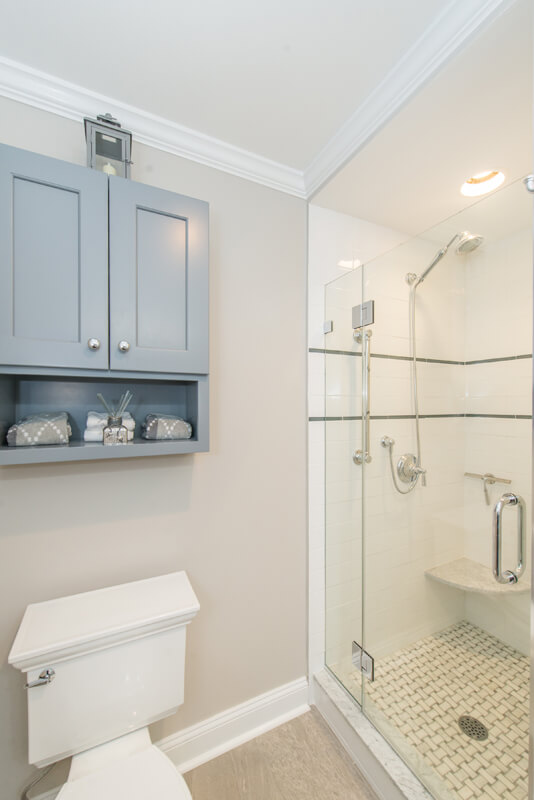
(420, 693)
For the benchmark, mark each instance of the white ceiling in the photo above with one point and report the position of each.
(277, 78)
(287, 91)
(475, 115)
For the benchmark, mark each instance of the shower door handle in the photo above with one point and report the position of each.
(508, 499)
(363, 337)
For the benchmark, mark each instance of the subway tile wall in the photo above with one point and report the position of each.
(498, 312)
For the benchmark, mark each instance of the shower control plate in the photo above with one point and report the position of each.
(363, 314)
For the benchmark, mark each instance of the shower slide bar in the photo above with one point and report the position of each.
(363, 337)
(508, 576)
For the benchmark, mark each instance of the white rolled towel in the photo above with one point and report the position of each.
(97, 421)
(97, 435)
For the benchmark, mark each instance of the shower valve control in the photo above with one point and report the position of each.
(408, 469)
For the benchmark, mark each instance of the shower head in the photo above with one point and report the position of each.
(467, 242)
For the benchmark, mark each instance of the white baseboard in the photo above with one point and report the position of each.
(213, 737)
(217, 735)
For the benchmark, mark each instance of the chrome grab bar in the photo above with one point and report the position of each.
(508, 499)
(363, 337)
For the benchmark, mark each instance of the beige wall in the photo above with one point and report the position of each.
(233, 518)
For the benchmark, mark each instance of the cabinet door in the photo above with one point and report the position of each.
(53, 262)
(158, 260)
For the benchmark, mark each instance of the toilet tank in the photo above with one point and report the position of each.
(118, 656)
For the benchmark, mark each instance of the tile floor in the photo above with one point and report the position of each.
(420, 692)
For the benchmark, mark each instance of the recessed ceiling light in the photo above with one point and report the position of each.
(482, 183)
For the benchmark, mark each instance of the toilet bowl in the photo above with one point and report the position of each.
(136, 775)
(101, 666)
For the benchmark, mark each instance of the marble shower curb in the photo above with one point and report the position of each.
(383, 768)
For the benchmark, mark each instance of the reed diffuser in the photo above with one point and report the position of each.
(115, 432)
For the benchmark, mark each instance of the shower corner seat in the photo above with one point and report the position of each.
(470, 576)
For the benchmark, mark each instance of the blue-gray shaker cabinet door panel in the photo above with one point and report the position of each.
(158, 262)
(53, 262)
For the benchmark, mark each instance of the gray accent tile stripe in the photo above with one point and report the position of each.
(422, 416)
(399, 358)
(502, 358)
(423, 360)
(501, 416)
(333, 352)
(330, 419)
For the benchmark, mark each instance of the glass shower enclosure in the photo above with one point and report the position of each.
(428, 496)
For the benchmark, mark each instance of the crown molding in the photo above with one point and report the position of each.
(453, 28)
(459, 21)
(48, 93)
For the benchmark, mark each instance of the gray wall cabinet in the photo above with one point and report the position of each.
(158, 253)
(54, 220)
(104, 286)
(53, 262)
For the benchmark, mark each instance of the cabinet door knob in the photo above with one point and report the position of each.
(93, 344)
(124, 346)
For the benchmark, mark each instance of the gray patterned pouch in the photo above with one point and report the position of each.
(47, 428)
(165, 426)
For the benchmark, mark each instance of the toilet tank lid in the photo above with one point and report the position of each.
(69, 626)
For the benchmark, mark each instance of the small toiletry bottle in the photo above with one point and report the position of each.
(115, 432)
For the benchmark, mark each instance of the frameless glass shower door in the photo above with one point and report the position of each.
(344, 483)
(435, 526)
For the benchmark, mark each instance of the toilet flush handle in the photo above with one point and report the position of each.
(46, 676)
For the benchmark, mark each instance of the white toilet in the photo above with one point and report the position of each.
(100, 667)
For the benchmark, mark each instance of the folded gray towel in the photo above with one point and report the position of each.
(48, 428)
(165, 426)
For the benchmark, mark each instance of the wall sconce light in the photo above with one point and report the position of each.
(109, 146)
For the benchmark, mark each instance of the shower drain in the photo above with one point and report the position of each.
(473, 728)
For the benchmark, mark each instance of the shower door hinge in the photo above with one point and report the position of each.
(363, 314)
(363, 662)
